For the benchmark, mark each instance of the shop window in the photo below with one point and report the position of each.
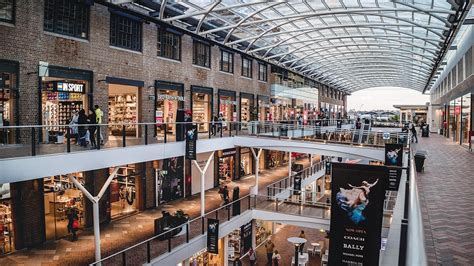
(125, 32)
(123, 193)
(7, 10)
(168, 44)
(6, 221)
(201, 54)
(7, 89)
(246, 67)
(66, 17)
(466, 119)
(123, 109)
(262, 72)
(227, 61)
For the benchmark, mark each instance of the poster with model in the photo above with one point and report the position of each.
(358, 193)
(394, 158)
(171, 179)
(191, 139)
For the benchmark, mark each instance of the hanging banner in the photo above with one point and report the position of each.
(297, 184)
(358, 193)
(212, 236)
(394, 157)
(339, 124)
(328, 168)
(245, 237)
(191, 138)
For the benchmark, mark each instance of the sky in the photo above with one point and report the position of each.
(384, 98)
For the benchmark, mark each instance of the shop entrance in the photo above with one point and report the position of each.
(169, 180)
(246, 109)
(246, 162)
(60, 100)
(61, 197)
(7, 85)
(227, 105)
(201, 102)
(226, 165)
(169, 98)
(123, 193)
(6, 221)
(123, 109)
(263, 108)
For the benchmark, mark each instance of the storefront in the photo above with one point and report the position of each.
(226, 165)
(8, 99)
(61, 196)
(169, 180)
(62, 93)
(124, 106)
(247, 109)
(246, 162)
(6, 221)
(204, 258)
(281, 109)
(263, 107)
(124, 192)
(276, 159)
(263, 230)
(201, 106)
(169, 97)
(466, 120)
(227, 106)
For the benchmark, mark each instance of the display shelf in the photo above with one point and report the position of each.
(123, 110)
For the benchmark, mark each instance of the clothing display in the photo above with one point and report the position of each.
(201, 111)
(6, 227)
(123, 110)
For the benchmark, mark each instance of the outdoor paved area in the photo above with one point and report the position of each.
(131, 230)
(446, 201)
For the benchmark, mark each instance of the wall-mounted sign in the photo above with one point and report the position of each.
(162, 97)
(63, 186)
(229, 152)
(229, 102)
(212, 236)
(70, 87)
(358, 194)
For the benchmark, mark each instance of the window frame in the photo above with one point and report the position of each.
(231, 63)
(196, 60)
(11, 21)
(159, 40)
(250, 67)
(55, 19)
(265, 73)
(140, 32)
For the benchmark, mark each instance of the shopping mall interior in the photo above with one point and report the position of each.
(215, 133)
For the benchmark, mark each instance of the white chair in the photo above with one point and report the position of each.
(310, 250)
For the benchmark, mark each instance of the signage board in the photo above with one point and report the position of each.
(386, 135)
(358, 194)
(212, 236)
(394, 157)
(191, 139)
(245, 237)
(162, 97)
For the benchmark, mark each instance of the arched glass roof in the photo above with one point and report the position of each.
(349, 44)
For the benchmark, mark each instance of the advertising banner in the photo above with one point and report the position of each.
(245, 237)
(358, 193)
(297, 184)
(212, 236)
(328, 168)
(191, 138)
(394, 157)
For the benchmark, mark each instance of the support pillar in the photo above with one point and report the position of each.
(226, 251)
(256, 156)
(203, 178)
(289, 163)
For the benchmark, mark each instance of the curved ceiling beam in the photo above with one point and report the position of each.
(319, 13)
(162, 9)
(392, 65)
(198, 28)
(380, 44)
(390, 75)
(354, 71)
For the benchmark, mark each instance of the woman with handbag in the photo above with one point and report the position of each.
(73, 222)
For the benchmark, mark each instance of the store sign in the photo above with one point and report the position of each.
(229, 152)
(70, 87)
(191, 139)
(394, 157)
(162, 97)
(212, 236)
(265, 105)
(229, 102)
(358, 193)
(386, 135)
(61, 186)
(245, 237)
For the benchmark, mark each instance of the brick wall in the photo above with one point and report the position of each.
(27, 43)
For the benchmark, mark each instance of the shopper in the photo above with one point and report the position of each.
(269, 246)
(226, 195)
(222, 123)
(252, 257)
(82, 121)
(276, 258)
(73, 132)
(73, 222)
(99, 115)
(413, 133)
(92, 128)
(302, 235)
(213, 125)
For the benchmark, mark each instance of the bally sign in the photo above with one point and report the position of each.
(191, 139)
(212, 236)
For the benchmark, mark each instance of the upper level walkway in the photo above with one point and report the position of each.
(446, 201)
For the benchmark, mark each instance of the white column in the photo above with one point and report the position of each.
(311, 160)
(254, 234)
(256, 156)
(315, 190)
(95, 214)
(226, 251)
(289, 164)
(203, 178)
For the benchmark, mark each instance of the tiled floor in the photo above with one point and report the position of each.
(446, 201)
(131, 230)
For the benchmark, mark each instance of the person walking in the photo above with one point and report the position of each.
(269, 246)
(92, 128)
(252, 257)
(213, 125)
(413, 132)
(73, 132)
(82, 121)
(276, 258)
(73, 222)
(99, 114)
(302, 235)
(225, 195)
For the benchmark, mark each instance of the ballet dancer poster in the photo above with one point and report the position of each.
(394, 157)
(358, 193)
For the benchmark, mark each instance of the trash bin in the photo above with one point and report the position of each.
(420, 157)
(425, 132)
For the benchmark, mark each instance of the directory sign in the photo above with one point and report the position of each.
(394, 157)
(358, 193)
(191, 139)
(212, 236)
